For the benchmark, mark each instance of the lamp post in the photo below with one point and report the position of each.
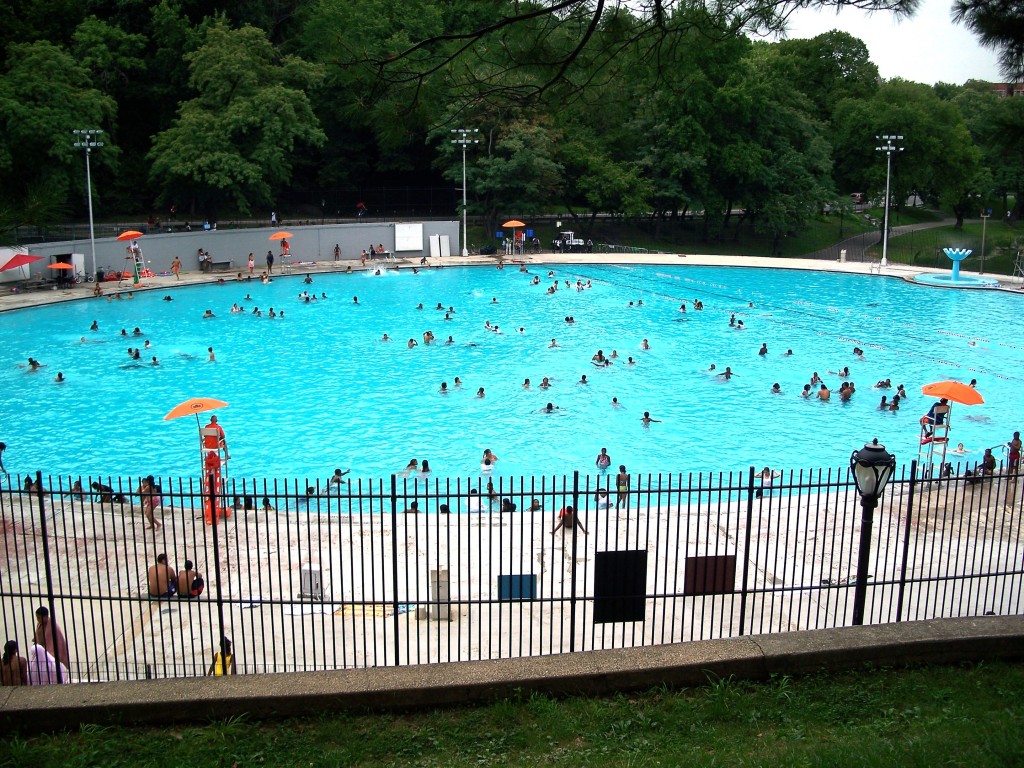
(984, 221)
(888, 147)
(89, 138)
(464, 139)
(872, 466)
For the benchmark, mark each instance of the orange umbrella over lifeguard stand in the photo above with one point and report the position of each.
(211, 447)
(935, 425)
(515, 224)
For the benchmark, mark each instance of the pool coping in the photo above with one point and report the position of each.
(13, 301)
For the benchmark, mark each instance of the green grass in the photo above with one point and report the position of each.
(924, 248)
(967, 716)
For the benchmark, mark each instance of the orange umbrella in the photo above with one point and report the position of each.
(194, 405)
(513, 223)
(280, 235)
(130, 234)
(954, 391)
(61, 265)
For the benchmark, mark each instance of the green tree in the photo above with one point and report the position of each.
(234, 141)
(830, 67)
(939, 160)
(44, 95)
(997, 127)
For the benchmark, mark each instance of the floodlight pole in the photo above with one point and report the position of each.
(984, 222)
(87, 139)
(464, 140)
(889, 147)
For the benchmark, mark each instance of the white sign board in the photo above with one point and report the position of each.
(408, 237)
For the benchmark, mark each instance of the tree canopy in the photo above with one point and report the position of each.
(653, 108)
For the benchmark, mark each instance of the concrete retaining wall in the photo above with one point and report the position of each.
(310, 243)
(941, 641)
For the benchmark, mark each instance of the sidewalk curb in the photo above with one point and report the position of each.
(758, 657)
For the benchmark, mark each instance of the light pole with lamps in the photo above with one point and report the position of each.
(872, 466)
(465, 140)
(984, 221)
(88, 138)
(889, 147)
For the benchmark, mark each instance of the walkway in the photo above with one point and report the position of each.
(856, 246)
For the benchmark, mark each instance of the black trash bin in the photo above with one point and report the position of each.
(100, 274)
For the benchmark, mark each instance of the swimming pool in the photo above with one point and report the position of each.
(318, 389)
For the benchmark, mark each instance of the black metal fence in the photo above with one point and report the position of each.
(412, 570)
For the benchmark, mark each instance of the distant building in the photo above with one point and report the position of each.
(1003, 90)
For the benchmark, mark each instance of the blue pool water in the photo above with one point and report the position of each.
(318, 389)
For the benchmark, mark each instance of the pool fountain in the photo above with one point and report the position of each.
(954, 279)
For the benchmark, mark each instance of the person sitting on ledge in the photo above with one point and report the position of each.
(162, 580)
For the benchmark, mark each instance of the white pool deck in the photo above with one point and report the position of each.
(795, 542)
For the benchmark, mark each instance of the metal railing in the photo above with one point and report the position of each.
(412, 570)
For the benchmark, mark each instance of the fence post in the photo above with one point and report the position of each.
(394, 563)
(212, 490)
(49, 576)
(906, 539)
(572, 564)
(746, 550)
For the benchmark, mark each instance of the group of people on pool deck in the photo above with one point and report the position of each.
(162, 581)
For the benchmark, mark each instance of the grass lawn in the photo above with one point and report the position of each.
(959, 716)
(924, 248)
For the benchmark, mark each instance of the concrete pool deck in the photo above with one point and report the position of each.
(22, 299)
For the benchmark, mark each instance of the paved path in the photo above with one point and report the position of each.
(856, 246)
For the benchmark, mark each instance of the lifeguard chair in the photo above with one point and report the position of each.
(934, 440)
(214, 462)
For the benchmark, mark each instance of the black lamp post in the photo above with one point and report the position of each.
(872, 466)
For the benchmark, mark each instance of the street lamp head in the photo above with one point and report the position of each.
(872, 466)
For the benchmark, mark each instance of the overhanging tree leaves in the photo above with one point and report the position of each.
(561, 34)
(235, 140)
(999, 24)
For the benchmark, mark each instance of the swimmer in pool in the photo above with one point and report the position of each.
(385, 337)
(824, 393)
(208, 313)
(727, 373)
(806, 391)
(616, 403)
(789, 353)
(644, 344)
(646, 419)
(544, 384)
(763, 350)
(553, 344)
(884, 405)
(583, 379)
(444, 388)
(549, 408)
(458, 382)
(480, 392)
(412, 343)
(526, 384)
(776, 389)
(630, 361)
(449, 341)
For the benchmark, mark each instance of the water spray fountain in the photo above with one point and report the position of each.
(954, 279)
